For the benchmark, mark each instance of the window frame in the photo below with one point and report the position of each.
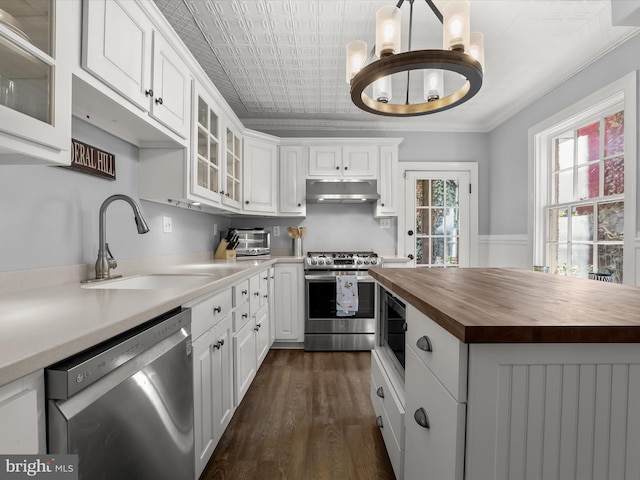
(620, 94)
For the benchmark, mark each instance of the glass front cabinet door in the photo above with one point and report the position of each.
(35, 82)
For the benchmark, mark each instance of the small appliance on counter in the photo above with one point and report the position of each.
(227, 248)
(248, 242)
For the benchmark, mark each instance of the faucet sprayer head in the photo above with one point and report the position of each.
(141, 224)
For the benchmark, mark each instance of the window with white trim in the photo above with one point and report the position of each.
(584, 177)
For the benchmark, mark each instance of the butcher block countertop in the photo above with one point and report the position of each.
(498, 305)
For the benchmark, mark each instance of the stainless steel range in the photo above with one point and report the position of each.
(325, 329)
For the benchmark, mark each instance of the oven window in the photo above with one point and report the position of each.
(321, 300)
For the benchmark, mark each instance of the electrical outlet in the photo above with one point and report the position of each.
(215, 230)
(385, 223)
(167, 225)
(276, 231)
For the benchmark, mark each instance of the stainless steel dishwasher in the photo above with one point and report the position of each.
(125, 407)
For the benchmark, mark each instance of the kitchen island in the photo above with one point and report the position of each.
(518, 374)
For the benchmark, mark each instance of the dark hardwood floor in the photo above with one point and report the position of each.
(307, 416)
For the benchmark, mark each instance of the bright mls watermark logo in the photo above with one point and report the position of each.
(50, 467)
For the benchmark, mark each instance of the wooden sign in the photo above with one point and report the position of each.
(92, 160)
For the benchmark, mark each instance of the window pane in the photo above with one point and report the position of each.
(557, 255)
(563, 187)
(213, 152)
(614, 176)
(611, 221)
(229, 140)
(582, 223)
(614, 134)
(581, 260)
(437, 221)
(421, 244)
(437, 193)
(213, 178)
(610, 259)
(422, 192)
(202, 113)
(452, 251)
(437, 253)
(229, 164)
(451, 221)
(588, 181)
(563, 151)
(422, 220)
(452, 193)
(202, 143)
(589, 143)
(203, 180)
(558, 224)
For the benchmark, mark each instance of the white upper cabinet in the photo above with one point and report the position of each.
(122, 48)
(334, 160)
(292, 186)
(35, 82)
(207, 167)
(260, 180)
(232, 187)
(387, 205)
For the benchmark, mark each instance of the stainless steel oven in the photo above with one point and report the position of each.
(325, 329)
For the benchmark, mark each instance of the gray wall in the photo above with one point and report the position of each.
(508, 195)
(50, 214)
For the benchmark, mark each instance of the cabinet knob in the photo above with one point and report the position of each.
(159, 101)
(410, 256)
(346, 168)
(221, 342)
(217, 309)
(221, 192)
(257, 327)
(299, 204)
(380, 392)
(217, 345)
(246, 202)
(410, 232)
(379, 421)
(266, 296)
(337, 168)
(257, 294)
(245, 315)
(244, 292)
(149, 93)
(421, 418)
(424, 344)
(382, 204)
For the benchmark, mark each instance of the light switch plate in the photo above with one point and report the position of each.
(167, 225)
(276, 231)
(385, 223)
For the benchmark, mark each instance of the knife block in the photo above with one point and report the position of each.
(222, 253)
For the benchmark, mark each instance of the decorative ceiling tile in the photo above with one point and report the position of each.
(280, 63)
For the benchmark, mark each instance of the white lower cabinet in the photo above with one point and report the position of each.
(289, 302)
(246, 359)
(263, 342)
(387, 400)
(22, 417)
(212, 330)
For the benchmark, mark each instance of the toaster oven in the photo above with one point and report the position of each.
(250, 242)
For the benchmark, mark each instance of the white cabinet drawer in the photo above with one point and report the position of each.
(240, 317)
(443, 353)
(384, 394)
(396, 454)
(437, 451)
(241, 293)
(210, 311)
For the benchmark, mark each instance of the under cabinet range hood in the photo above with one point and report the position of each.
(342, 191)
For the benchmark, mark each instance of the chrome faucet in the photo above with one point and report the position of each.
(105, 261)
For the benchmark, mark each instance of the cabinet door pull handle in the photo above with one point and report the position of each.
(422, 418)
(217, 309)
(424, 343)
(380, 392)
(379, 421)
(159, 101)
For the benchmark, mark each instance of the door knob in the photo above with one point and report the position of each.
(410, 257)
(410, 232)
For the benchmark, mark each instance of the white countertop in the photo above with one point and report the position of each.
(42, 326)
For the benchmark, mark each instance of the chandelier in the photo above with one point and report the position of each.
(370, 74)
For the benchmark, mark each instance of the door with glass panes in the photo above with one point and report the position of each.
(437, 224)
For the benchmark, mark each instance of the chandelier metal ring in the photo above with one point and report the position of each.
(453, 61)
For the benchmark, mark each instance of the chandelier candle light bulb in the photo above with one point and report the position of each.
(356, 56)
(382, 89)
(387, 31)
(476, 49)
(433, 85)
(456, 31)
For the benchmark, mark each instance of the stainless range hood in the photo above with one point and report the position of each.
(342, 191)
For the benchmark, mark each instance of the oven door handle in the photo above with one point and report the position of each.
(332, 278)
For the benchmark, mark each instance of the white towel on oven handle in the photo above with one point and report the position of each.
(346, 295)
